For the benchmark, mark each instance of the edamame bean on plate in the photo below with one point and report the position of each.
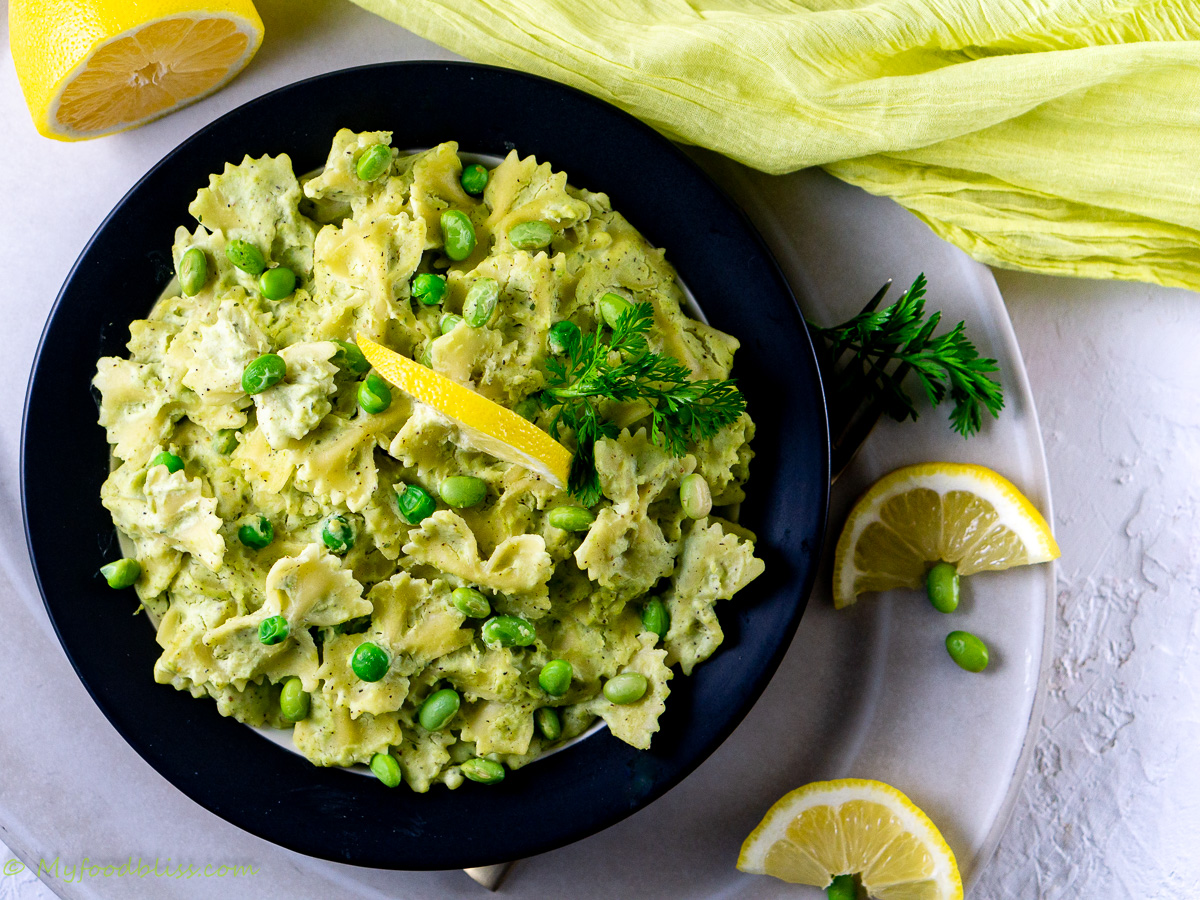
(332, 556)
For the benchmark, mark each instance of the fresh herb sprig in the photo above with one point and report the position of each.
(625, 369)
(945, 366)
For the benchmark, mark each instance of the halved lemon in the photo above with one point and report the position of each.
(92, 67)
(958, 513)
(488, 426)
(853, 827)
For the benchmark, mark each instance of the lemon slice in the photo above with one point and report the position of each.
(919, 515)
(92, 67)
(487, 426)
(853, 827)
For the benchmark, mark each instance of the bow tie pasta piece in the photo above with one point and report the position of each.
(724, 461)
(330, 737)
(499, 727)
(713, 565)
(297, 404)
(596, 648)
(136, 409)
(520, 190)
(436, 188)
(480, 359)
(338, 183)
(635, 723)
(424, 758)
(220, 353)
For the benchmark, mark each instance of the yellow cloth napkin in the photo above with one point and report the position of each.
(1061, 136)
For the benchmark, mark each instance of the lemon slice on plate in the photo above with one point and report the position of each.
(488, 426)
(958, 513)
(853, 827)
(92, 67)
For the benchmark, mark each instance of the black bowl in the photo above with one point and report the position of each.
(330, 813)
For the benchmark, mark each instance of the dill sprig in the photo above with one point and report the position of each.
(625, 369)
(946, 366)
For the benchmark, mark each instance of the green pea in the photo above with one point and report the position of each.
(277, 283)
(462, 491)
(571, 518)
(122, 573)
(508, 631)
(548, 723)
(528, 408)
(942, 585)
(449, 322)
(563, 337)
(481, 302)
(349, 358)
(168, 459)
(967, 650)
(458, 234)
(485, 771)
(256, 532)
(373, 162)
(386, 769)
(471, 603)
(429, 289)
(374, 394)
(273, 630)
(555, 677)
(294, 700)
(842, 888)
(225, 441)
(438, 709)
(245, 256)
(612, 307)
(474, 179)
(338, 535)
(695, 497)
(370, 661)
(628, 687)
(269, 369)
(530, 235)
(192, 271)
(655, 617)
(416, 504)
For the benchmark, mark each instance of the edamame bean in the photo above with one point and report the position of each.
(192, 271)
(563, 337)
(967, 650)
(373, 162)
(471, 603)
(294, 700)
(655, 617)
(841, 888)
(694, 496)
(481, 302)
(386, 769)
(122, 573)
(612, 307)
(458, 234)
(555, 677)
(273, 630)
(374, 394)
(427, 356)
(269, 369)
(415, 504)
(349, 358)
(571, 518)
(485, 771)
(338, 535)
(245, 256)
(438, 709)
(277, 283)
(449, 322)
(628, 687)
(530, 235)
(370, 661)
(548, 723)
(429, 289)
(256, 532)
(474, 179)
(225, 441)
(507, 631)
(942, 586)
(462, 491)
(168, 459)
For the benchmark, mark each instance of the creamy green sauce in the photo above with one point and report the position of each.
(306, 451)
